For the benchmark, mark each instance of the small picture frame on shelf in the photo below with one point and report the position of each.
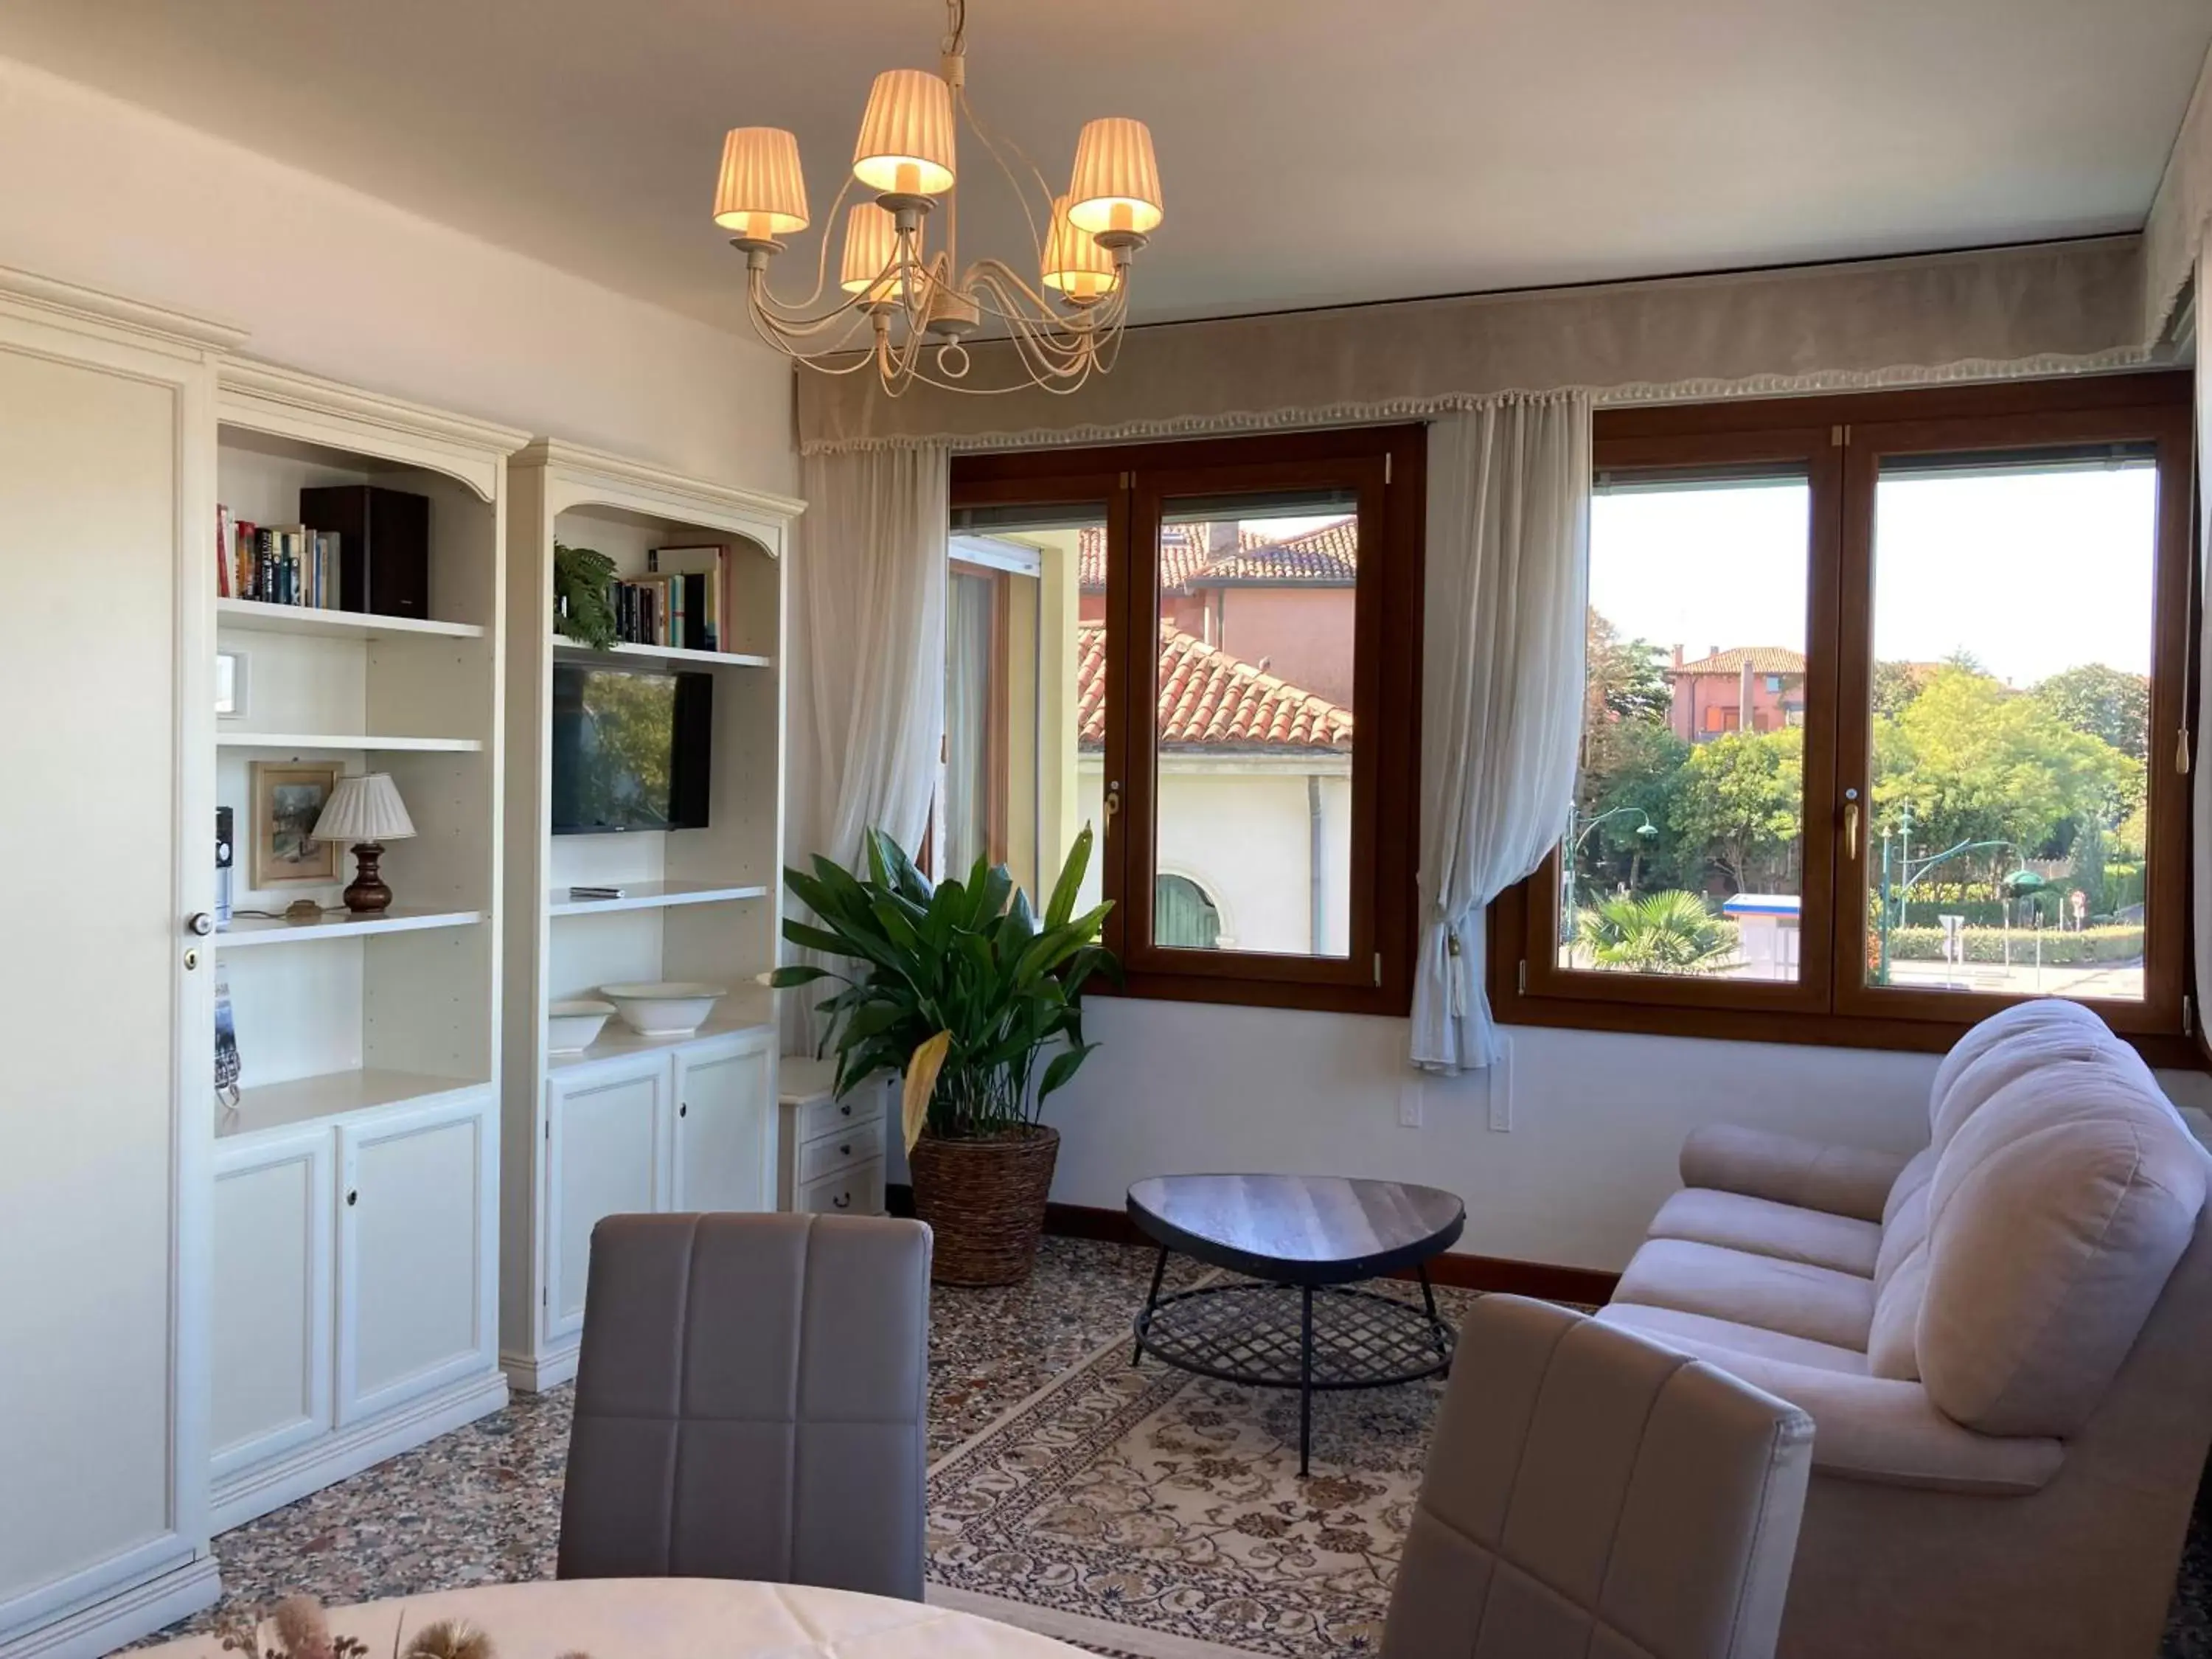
(230, 684)
(289, 796)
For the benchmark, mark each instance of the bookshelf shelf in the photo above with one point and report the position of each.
(260, 619)
(306, 1099)
(569, 649)
(254, 932)
(651, 895)
(365, 742)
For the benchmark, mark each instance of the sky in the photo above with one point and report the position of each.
(2032, 572)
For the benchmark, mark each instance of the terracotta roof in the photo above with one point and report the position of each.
(1326, 556)
(1759, 659)
(1210, 700)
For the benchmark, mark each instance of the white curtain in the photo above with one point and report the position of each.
(872, 574)
(2201, 782)
(1502, 698)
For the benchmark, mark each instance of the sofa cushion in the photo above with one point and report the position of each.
(2057, 1213)
(1764, 1227)
(1919, 1169)
(1719, 1335)
(2044, 1014)
(1815, 1175)
(1894, 1339)
(2029, 1049)
(1794, 1297)
(1906, 1231)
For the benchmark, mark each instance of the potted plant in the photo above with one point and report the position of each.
(960, 987)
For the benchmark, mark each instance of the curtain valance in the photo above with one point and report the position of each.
(2050, 308)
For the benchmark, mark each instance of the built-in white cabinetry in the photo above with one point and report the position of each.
(354, 1295)
(832, 1145)
(686, 1127)
(634, 1124)
(106, 500)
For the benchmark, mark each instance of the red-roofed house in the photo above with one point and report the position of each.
(1712, 691)
(1254, 797)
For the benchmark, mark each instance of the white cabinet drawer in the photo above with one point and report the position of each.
(829, 1117)
(857, 1189)
(833, 1152)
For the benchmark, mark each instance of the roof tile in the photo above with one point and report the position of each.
(1209, 699)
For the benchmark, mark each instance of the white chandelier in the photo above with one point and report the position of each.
(918, 304)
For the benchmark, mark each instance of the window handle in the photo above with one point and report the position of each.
(1113, 798)
(1851, 823)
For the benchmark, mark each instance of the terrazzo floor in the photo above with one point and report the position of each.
(483, 1504)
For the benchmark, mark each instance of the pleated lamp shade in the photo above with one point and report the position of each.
(760, 194)
(905, 147)
(365, 808)
(1074, 264)
(871, 244)
(1117, 190)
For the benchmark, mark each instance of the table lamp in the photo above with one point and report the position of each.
(367, 811)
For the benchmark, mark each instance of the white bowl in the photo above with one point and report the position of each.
(673, 1008)
(573, 1025)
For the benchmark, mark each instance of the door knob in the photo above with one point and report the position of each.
(201, 924)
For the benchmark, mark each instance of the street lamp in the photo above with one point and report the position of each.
(1647, 831)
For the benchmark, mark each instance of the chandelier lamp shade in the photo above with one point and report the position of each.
(907, 309)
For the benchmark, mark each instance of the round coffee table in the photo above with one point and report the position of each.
(1307, 1239)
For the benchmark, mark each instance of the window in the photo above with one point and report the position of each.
(1883, 723)
(1215, 698)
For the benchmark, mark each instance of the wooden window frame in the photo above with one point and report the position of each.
(997, 701)
(1842, 441)
(1387, 466)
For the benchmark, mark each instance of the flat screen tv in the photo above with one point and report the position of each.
(631, 750)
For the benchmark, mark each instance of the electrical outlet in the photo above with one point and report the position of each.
(1499, 1079)
(1409, 1104)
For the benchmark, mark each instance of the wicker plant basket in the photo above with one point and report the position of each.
(984, 1199)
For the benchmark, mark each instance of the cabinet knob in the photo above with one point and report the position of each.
(352, 1198)
(843, 1201)
(684, 1110)
(847, 1109)
(845, 1151)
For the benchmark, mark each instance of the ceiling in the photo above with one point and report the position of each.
(1314, 151)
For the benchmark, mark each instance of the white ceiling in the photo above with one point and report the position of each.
(1314, 151)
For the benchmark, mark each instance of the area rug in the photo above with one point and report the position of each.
(1161, 1515)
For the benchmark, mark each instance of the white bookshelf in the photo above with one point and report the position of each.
(698, 904)
(574, 651)
(359, 1161)
(254, 932)
(653, 896)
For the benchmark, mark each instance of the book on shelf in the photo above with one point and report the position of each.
(276, 564)
(699, 581)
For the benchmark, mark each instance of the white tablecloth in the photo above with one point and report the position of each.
(679, 1619)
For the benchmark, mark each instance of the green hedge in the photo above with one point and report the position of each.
(1985, 944)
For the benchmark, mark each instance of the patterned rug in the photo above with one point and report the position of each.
(1170, 1506)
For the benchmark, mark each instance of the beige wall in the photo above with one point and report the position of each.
(1305, 634)
(326, 279)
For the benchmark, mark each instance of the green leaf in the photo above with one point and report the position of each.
(1063, 1066)
(782, 979)
(1062, 905)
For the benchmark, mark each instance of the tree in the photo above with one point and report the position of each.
(1629, 772)
(1624, 679)
(2101, 703)
(1896, 684)
(1666, 933)
(1979, 763)
(1741, 797)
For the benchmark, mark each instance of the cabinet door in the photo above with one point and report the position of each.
(268, 1337)
(725, 1127)
(416, 1254)
(608, 1141)
(107, 492)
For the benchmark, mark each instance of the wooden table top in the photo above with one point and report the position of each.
(1300, 1230)
(678, 1619)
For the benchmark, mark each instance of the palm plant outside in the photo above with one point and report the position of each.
(1672, 932)
(960, 985)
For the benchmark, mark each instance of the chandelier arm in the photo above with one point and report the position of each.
(991, 143)
(787, 338)
(821, 265)
(1047, 351)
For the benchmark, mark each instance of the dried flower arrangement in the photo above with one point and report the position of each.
(301, 1630)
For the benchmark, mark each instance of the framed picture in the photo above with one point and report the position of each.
(289, 796)
(230, 683)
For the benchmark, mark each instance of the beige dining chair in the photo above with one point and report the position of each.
(750, 1402)
(1590, 1495)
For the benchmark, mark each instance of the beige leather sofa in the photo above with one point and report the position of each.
(2004, 1343)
